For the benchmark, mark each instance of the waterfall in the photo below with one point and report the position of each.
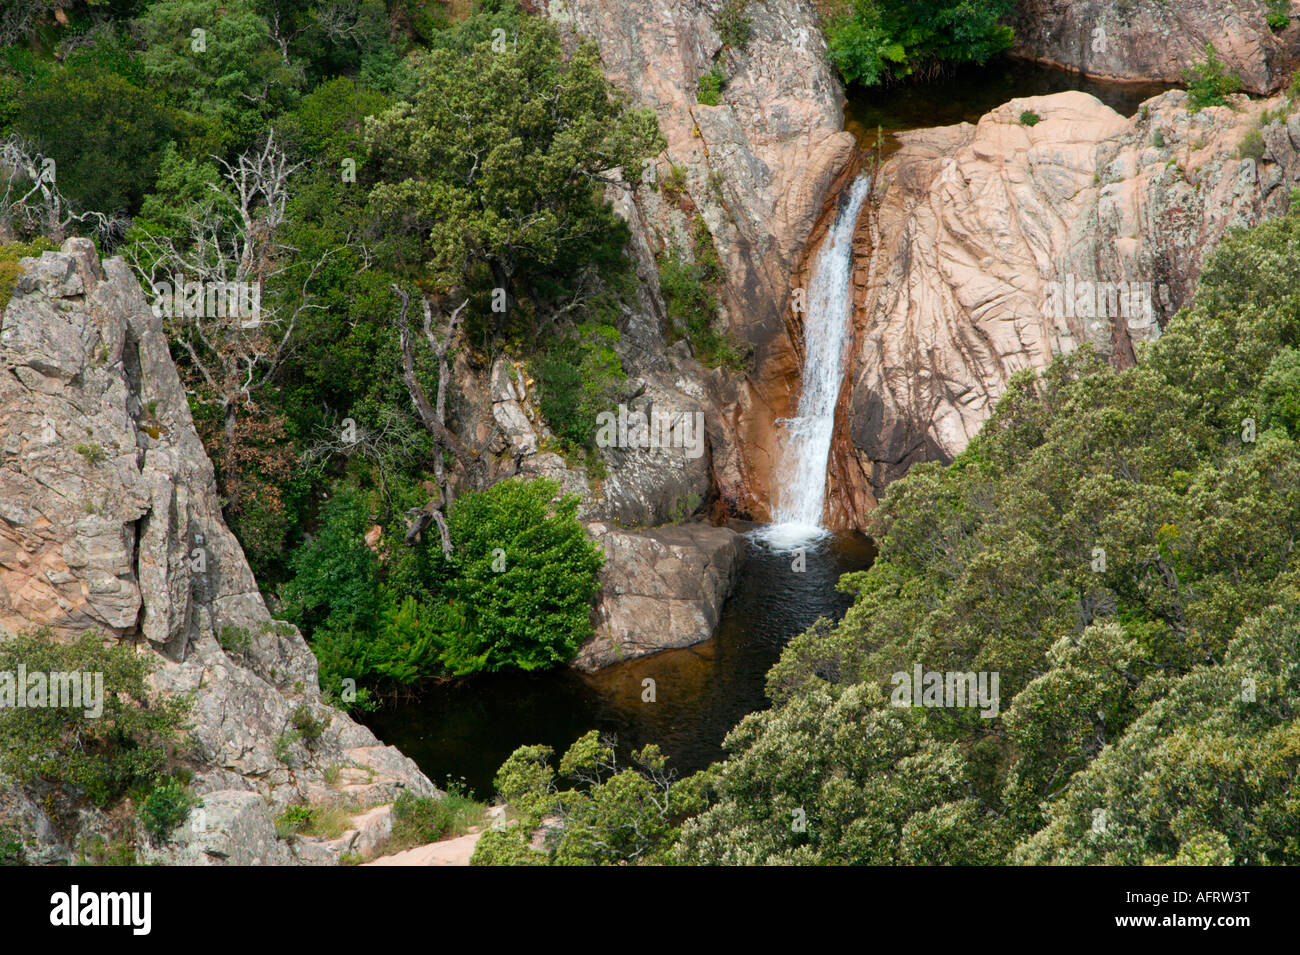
(800, 478)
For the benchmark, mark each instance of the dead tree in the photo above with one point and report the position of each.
(433, 416)
(31, 203)
(233, 243)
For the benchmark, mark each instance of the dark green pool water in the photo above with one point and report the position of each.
(468, 728)
(967, 94)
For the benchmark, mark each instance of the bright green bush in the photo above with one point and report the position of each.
(166, 807)
(614, 815)
(1209, 83)
(515, 592)
(525, 576)
(875, 41)
(710, 91)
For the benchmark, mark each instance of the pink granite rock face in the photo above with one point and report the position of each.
(1156, 39)
(988, 238)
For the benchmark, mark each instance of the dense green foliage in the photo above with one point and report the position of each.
(330, 153)
(875, 41)
(93, 757)
(515, 591)
(610, 815)
(166, 807)
(1149, 697)
(472, 156)
(489, 176)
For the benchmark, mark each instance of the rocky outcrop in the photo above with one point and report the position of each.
(1158, 40)
(661, 589)
(110, 521)
(996, 246)
(756, 168)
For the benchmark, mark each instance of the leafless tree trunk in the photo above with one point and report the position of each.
(31, 203)
(433, 415)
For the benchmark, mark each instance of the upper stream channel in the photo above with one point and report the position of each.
(466, 729)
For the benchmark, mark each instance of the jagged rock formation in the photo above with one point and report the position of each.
(976, 222)
(1157, 39)
(662, 589)
(110, 521)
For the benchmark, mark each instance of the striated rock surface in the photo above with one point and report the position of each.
(662, 589)
(1158, 39)
(110, 521)
(998, 245)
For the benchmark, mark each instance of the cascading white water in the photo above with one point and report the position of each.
(800, 481)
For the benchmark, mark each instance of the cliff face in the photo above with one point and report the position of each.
(996, 246)
(110, 521)
(1157, 39)
(757, 169)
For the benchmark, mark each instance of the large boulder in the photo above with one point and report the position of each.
(661, 589)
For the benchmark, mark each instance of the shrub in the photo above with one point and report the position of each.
(537, 611)
(1209, 83)
(12, 851)
(308, 727)
(10, 270)
(117, 851)
(874, 41)
(693, 309)
(733, 24)
(515, 592)
(505, 847)
(93, 453)
(577, 378)
(1278, 16)
(167, 806)
(710, 90)
(98, 758)
(1030, 118)
(235, 641)
(294, 821)
(1252, 146)
(673, 185)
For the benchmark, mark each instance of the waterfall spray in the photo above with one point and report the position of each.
(800, 485)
